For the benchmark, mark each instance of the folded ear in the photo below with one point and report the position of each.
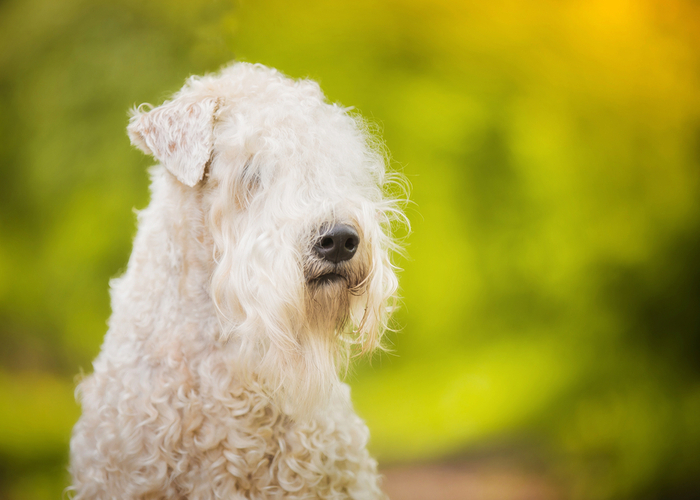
(179, 134)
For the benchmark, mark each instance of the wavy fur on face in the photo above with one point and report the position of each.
(218, 377)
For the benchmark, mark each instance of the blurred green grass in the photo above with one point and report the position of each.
(551, 295)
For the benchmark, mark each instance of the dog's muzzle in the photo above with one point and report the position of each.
(332, 254)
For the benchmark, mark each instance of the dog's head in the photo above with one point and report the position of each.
(293, 190)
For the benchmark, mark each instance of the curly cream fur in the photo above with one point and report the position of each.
(218, 377)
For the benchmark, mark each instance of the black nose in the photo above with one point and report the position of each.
(338, 243)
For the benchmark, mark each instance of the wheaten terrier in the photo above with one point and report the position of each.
(260, 266)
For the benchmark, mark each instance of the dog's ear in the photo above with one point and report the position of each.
(179, 134)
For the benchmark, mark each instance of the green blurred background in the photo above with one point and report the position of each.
(551, 297)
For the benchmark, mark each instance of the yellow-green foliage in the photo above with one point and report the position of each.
(552, 291)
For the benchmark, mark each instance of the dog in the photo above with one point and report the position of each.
(260, 267)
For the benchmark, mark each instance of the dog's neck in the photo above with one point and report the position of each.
(168, 272)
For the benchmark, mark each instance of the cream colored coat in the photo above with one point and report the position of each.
(218, 377)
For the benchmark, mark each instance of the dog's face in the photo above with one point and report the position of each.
(293, 195)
